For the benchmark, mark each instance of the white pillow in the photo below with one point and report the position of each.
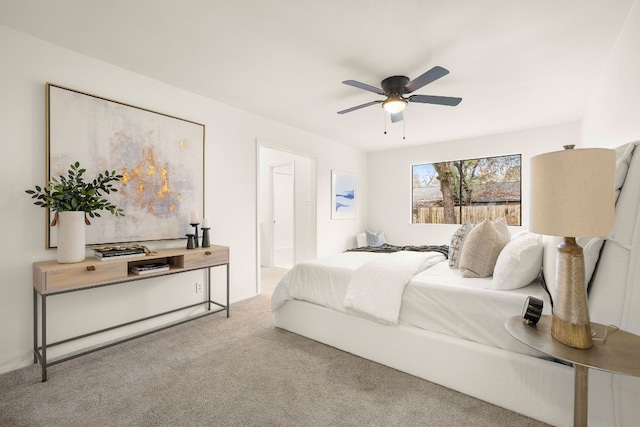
(519, 262)
(361, 240)
(501, 226)
(482, 247)
(591, 247)
(623, 159)
(591, 251)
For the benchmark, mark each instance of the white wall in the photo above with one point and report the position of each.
(612, 118)
(613, 114)
(230, 173)
(389, 207)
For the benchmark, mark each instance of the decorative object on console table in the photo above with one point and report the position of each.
(572, 195)
(71, 240)
(191, 238)
(193, 221)
(195, 234)
(150, 268)
(72, 199)
(205, 233)
(105, 253)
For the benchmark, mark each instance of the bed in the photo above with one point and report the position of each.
(449, 329)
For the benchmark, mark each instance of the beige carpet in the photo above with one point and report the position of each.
(240, 371)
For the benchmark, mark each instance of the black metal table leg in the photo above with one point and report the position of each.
(227, 290)
(208, 273)
(43, 361)
(35, 326)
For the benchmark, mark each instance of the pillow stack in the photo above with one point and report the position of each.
(487, 249)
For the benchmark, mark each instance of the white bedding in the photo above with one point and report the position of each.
(376, 287)
(322, 281)
(440, 300)
(437, 299)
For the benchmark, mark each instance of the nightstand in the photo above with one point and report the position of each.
(618, 354)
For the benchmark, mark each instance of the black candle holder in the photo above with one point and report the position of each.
(195, 227)
(191, 241)
(205, 237)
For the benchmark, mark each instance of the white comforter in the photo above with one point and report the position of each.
(376, 287)
(322, 281)
(328, 281)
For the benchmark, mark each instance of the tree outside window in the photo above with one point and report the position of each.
(471, 190)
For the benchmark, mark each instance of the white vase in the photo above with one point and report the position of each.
(71, 240)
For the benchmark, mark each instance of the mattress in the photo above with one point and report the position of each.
(437, 299)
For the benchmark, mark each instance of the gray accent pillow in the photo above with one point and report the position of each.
(375, 239)
(457, 241)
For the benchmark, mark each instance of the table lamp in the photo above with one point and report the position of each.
(572, 195)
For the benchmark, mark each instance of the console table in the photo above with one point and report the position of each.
(618, 354)
(51, 278)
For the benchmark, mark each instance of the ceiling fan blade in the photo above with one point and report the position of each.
(396, 117)
(432, 75)
(357, 107)
(364, 86)
(432, 99)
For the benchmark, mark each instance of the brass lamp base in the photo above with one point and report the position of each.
(572, 334)
(570, 323)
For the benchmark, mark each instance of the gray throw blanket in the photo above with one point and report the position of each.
(386, 248)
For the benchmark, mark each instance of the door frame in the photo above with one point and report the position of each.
(263, 144)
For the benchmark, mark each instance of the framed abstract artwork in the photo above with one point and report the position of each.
(343, 195)
(161, 158)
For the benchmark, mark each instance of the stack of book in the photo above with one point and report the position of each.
(149, 268)
(111, 253)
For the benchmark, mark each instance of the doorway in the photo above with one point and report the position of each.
(284, 176)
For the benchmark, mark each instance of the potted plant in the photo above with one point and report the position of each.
(72, 199)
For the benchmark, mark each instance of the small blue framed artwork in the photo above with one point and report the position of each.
(343, 195)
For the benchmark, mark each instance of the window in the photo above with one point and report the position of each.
(470, 190)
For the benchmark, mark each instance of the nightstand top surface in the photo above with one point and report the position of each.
(619, 354)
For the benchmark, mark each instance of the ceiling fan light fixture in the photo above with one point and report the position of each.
(395, 87)
(394, 104)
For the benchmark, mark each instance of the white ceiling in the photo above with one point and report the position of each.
(517, 64)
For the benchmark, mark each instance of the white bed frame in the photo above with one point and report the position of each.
(538, 388)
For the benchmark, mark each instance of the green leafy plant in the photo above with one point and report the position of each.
(73, 193)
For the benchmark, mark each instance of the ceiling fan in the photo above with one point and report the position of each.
(395, 87)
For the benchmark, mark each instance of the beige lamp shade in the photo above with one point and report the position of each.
(572, 192)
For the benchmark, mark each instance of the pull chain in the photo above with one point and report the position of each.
(404, 127)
